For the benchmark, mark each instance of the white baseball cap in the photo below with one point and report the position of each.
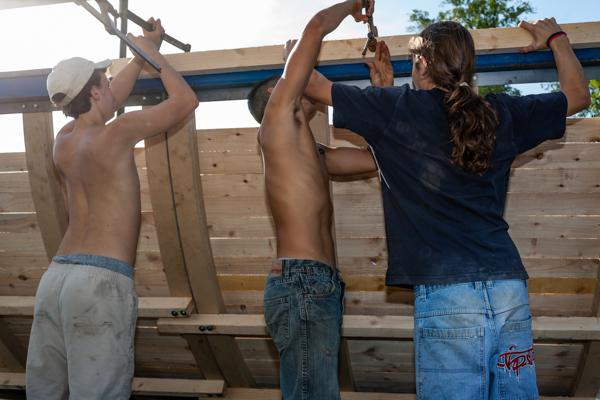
(70, 76)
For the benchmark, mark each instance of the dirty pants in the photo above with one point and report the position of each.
(81, 343)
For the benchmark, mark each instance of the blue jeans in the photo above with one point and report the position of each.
(474, 341)
(303, 310)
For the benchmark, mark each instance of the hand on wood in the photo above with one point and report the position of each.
(541, 31)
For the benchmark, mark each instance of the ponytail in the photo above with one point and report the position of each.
(450, 51)
(473, 123)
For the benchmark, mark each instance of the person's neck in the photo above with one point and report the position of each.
(90, 118)
(427, 85)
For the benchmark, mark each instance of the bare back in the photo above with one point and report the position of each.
(297, 187)
(103, 193)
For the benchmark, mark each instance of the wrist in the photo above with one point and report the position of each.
(138, 61)
(558, 42)
(554, 37)
(354, 6)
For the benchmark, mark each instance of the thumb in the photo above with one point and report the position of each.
(527, 49)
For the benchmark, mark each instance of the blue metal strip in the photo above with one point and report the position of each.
(34, 87)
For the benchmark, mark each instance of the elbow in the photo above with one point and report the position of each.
(579, 101)
(586, 100)
(316, 25)
(191, 102)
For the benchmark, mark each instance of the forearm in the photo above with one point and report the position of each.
(319, 88)
(175, 86)
(570, 75)
(330, 18)
(348, 161)
(122, 84)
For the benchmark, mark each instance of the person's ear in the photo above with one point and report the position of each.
(96, 93)
(423, 66)
(270, 90)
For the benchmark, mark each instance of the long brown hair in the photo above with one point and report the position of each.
(449, 51)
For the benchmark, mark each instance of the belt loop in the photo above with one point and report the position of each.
(285, 271)
(489, 284)
(421, 291)
(478, 285)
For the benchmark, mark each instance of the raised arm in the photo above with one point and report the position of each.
(381, 74)
(137, 125)
(570, 73)
(122, 84)
(302, 59)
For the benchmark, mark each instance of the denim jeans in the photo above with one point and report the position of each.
(303, 310)
(474, 341)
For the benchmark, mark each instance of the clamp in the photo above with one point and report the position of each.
(111, 27)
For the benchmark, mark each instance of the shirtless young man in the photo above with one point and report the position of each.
(304, 292)
(81, 344)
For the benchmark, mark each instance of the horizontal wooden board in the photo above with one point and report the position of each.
(536, 267)
(495, 40)
(148, 307)
(369, 326)
(561, 180)
(369, 204)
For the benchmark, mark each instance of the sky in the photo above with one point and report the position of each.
(39, 37)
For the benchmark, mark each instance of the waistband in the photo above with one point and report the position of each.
(421, 290)
(109, 263)
(289, 266)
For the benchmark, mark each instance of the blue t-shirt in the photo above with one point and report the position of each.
(443, 224)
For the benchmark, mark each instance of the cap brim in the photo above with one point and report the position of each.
(103, 64)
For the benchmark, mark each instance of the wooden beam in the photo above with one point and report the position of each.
(346, 377)
(588, 379)
(587, 382)
(196, 248)
(370, 326)
(165, 218)
(12, 353)
(148, 307)
(162, 197)
(46, 187)
(191, 219)
(143, 386)
(203, 355)
(495, 40)
(177, 387)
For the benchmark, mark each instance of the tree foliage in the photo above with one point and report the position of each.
(478, 14)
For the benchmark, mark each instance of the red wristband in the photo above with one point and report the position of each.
(554, 36)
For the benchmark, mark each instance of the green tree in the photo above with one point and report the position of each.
(478, 14)
(594, 109)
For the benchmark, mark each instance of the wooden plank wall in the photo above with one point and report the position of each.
(553, 209)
